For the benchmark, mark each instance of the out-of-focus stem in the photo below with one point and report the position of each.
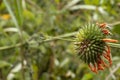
(46, 40)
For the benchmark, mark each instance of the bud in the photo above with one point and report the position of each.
(92, 48)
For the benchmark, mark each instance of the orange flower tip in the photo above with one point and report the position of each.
(106, 57)
(103, 25)
(95, 68)
(95, 71)
(105, 31)
(110, 62)
(110, 40)
(105, 65)
(108, 51)
(100, 68)
(92, 68)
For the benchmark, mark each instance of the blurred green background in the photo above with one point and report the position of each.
(25, 24)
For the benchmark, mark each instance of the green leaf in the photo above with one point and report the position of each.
(84, 7)
(95, 2)
(87, 77)
(117, 29)
(19, 11)
(11, 13)
(28, 15)
(4, 64)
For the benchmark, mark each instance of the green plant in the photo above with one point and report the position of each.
(92, 47)
(37, 39)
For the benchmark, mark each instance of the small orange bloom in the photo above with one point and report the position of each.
(5, 16)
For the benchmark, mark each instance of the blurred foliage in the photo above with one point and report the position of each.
(36, 20)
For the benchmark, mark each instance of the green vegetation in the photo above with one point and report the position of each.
(37, 38)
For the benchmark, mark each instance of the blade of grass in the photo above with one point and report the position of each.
(18, 23)
(11, 13)
(19, 14)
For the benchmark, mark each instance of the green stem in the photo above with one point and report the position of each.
(46, 40)
(114, 45)
(61, 37)
(18, 23)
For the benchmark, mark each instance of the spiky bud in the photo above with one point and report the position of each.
(91, 46)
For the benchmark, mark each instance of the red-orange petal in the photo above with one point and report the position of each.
(103, 63)
(110, 40)
(103, 25)
(105, 31)
(108, 50)
(95, 68)
(106, 56)
(99, 64)
(110, 61)
(100, 67)
(92, 69)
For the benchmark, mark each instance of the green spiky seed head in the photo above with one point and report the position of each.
(89, 43)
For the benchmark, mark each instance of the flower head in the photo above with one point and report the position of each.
(92, 47)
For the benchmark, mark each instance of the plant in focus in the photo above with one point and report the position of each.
(91, 45)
